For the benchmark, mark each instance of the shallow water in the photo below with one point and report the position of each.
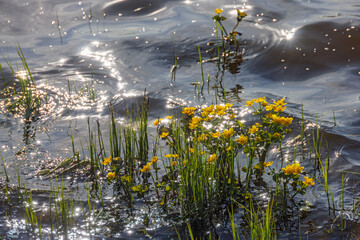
(306, 51)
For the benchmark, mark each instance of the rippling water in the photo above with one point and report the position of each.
(306, 51)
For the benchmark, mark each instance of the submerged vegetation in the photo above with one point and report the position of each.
(201, 170)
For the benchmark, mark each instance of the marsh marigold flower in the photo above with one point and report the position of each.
(292, 169)
(268, 164)
(212, 158)
(242, 139)
(169, 117)
(308, 181)
(111, 175)
(280, 102)
(189, 111)
(249, 103)
(259, 100)
(215, 135)
(157, 121)
(174, 163)
(164, 134)
(228, 149)
(228, 133)
(146, 168)
(218, 11)
(154, 159)
(107, 161)
(253, 129)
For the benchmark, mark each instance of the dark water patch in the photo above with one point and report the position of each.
(134, 8)
(158, 107)
(302, 56)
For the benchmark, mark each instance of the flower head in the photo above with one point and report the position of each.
(169, 117)
(154, 159)
(268, 164)
(215, 135)
(107, 161)
(242, 139)
(157, 121)
(253, 129)
(228, 133)
(164, 134)
(189, 111)
(308, 181)
(295, 168)
(111, 175)
(146, 168)
(212, 158)
(218, 11)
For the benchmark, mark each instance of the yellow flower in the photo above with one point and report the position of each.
(157, 121)
(191, 150)
(221, 113)
(232, 116)
(276, 119)
(195, 122)
(241, 14)
(215, 135)
(264, 103)
(280, 102)
(228, 149)
(111, 175)
(292, 169)
(253, 129)
(154, 159)
(296, 168)
(106, 161)
(212, 158)
(220, 108)
(168, 155)
(279, 108)
(189, 111)
(116, 158)
(174, 163)
(218, 11)
(169, 117)
(201, 138)
(208, 109)
(268, 164)
(228, 105)
(259, 100)
(249, 103)
(164, 134)
(185, 162)
(270, 107)
(287, 121)
(242, 139)
(146, 168)
(228, 133)
(288, 170)
(308, 181)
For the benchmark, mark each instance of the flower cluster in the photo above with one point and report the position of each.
(295, 169)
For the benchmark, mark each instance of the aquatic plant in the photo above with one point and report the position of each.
(28, 99)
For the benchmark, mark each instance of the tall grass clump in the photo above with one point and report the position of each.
(24, 99)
